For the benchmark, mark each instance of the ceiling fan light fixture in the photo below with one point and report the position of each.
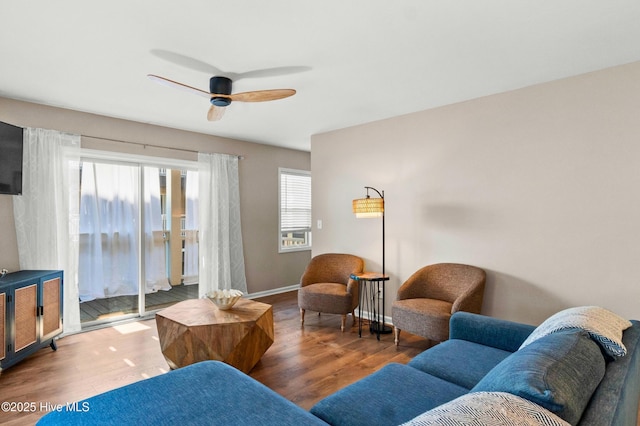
(220, 101)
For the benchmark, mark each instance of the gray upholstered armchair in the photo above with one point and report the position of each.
(426, 301)
(325, 285)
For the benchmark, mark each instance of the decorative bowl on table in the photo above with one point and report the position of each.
(224, 299)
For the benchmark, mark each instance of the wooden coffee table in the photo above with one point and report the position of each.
(196, 330)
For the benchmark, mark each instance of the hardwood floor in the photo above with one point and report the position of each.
(303, 364)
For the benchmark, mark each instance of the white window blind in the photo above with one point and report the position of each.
(295, 201)
(295, 209)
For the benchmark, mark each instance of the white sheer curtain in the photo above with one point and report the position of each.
(221, 254)
(109, 211)
(191, 229)
(108, 234)
(46, 213)
(155, 249)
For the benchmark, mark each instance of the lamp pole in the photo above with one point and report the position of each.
(379, 325)
(381, 194)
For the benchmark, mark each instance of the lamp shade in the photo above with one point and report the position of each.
(368, 207)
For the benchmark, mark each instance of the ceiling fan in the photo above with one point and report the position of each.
(220, 95)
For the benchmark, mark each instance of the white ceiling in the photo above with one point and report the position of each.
(351, 61)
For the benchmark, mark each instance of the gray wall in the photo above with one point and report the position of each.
(538, 186)
(266, 268)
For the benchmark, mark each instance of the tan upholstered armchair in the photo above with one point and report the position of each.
(325, 285)
(426, 301)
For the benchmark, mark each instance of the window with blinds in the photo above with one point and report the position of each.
(295, 210)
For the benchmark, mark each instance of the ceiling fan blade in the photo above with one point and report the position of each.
(179, 86)
(215, 113)
(261, 95)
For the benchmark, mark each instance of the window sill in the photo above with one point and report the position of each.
(290, 250)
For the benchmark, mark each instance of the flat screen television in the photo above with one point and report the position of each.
(10, 159)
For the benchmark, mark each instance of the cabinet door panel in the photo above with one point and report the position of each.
(51, 307)
(26, 318)
(3, 325)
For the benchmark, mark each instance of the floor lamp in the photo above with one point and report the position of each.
(366, 208)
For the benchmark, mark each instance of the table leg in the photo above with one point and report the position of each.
(360, 301)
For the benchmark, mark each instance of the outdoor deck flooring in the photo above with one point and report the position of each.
(100, 309)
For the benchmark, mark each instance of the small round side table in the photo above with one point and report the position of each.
(370, 285)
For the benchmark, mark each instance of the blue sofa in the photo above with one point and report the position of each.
(478, 346)
(586, 385)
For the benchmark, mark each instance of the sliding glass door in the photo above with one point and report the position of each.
(109, 238)
(138, 238)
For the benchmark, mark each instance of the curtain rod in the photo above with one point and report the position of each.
(144, 145)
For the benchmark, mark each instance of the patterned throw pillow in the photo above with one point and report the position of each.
(603, 326)
(488, 409)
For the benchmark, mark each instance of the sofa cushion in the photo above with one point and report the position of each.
(603, 326)
(489, 331)
(205, 393)
(488, 409)
(459, 361)
(559, 372)
(392, 395)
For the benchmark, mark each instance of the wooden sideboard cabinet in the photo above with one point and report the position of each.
(30, 313)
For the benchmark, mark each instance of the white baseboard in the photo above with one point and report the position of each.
(365, 314)
(272, 291)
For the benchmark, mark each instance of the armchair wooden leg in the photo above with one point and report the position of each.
(396, 333)
(344, 322)
(301, 317)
